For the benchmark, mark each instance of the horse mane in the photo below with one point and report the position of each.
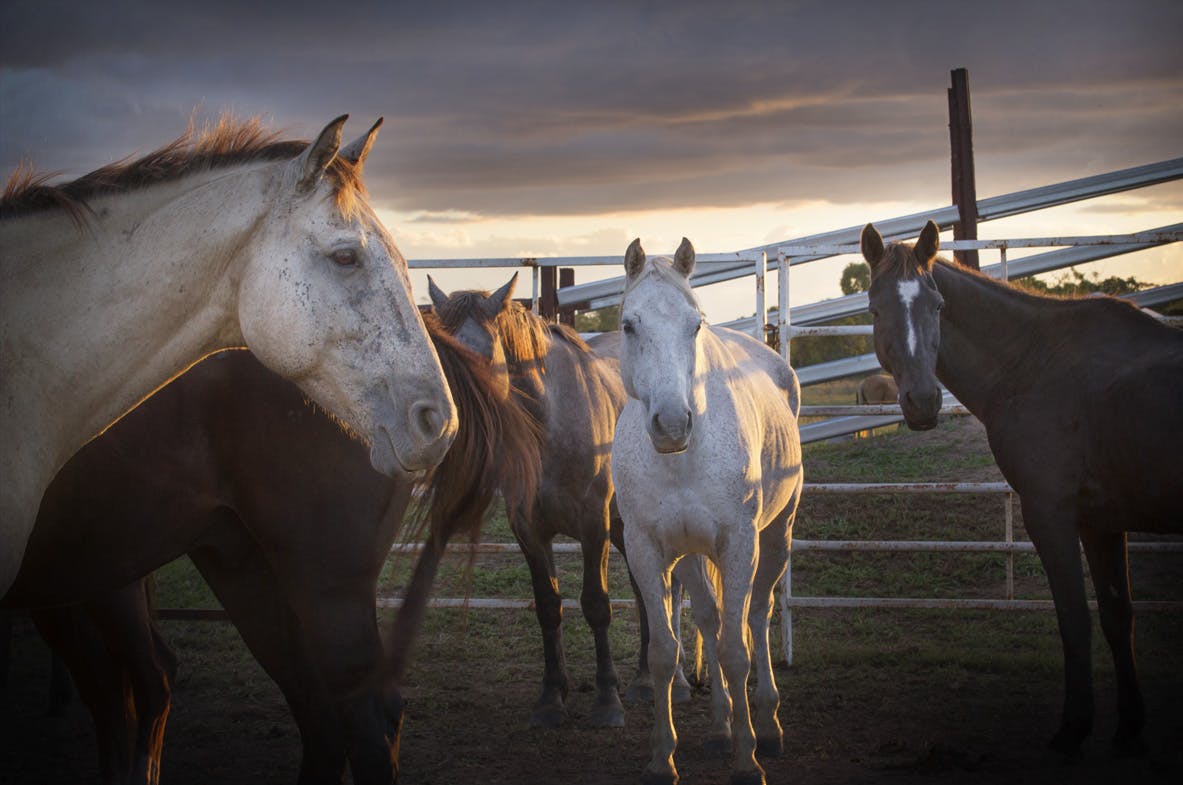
(227, 142)
(497, 448)
(524, 337)
(900, 259)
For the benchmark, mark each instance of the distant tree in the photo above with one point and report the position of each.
(856, 277)
(1073, 283)
(601, 320)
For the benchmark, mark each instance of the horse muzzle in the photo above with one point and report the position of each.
(921, 408)
(669, 430)
(415, 438)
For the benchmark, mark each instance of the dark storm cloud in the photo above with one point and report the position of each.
(507, 108)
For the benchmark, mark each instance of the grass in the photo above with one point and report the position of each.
(953, 647)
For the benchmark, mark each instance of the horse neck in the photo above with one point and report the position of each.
(985, 331)
(128, 301)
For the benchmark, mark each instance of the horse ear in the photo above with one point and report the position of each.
(927, 245)
(498, 300)
(357, 150)
(313, 162)
(684, 258)
(634, 259)
(438, 298)
(871, 244)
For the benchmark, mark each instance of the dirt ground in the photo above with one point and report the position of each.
(903, 697)
(885, 724)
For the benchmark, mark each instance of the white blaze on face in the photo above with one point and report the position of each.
(909, 291)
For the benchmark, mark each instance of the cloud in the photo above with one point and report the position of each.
(529, 108)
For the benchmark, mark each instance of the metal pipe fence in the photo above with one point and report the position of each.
(802, 321)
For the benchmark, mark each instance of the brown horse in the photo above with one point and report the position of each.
(284, 516)
(1081, 399)
(576, 397)
(877, 388)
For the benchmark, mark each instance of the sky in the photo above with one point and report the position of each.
(563, 129)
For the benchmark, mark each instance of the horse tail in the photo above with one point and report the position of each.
(497, 448)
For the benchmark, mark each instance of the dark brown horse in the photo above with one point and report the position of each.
(576, 397)
(1082, 400)
(289, 524)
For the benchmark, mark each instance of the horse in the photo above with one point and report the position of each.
(114, 283)
(876, 388)
(288, 522)
(1080, 399)
(706, 460)
(575, 396)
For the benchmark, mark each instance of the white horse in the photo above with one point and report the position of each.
(707, 460)
(115, 283)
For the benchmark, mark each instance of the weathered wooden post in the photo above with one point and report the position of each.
(566, 278)
(961, 148)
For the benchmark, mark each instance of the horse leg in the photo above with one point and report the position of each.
(739, 560)
(548, 607)
(651, 569)
(239, 575)
(640, 690)
(1108, 564)
(125, 622)
(597, 610)
(692, 571)
(101, 684)
(774, 553)
(1054, 534)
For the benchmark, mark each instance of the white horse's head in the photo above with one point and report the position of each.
(324, 300)
(660, 351)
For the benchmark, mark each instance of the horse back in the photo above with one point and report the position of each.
(1097, 433)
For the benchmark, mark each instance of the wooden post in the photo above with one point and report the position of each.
(961, 148)
(548, 304)
(566, 278)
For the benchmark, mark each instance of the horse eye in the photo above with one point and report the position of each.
(344, 257)
(627, 326)
(697, 327)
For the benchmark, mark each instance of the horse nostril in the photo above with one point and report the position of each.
(427, 420)
(655, 425)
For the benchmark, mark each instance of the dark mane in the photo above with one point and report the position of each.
(228, 142)
(899, 259)
(524, 337)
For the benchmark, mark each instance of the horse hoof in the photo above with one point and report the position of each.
(608, 716)
(717, 747)
(639, 693)
(650, 778)
(680, 694)
(771, 747)
(749, 778)
(546, 717)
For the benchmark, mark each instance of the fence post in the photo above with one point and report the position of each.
(566, 278)
(761, 307)
(961, 149)
(548, 301)
(783, 317)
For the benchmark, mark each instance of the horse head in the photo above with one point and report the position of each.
(660, 325)
(471, 316)
(324, 299)
(906, 308)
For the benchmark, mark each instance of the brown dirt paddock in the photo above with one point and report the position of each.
(874, 696)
